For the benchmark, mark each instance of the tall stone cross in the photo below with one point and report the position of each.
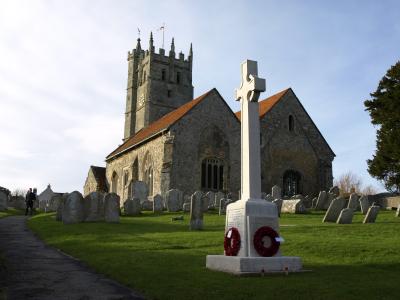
(248, 94)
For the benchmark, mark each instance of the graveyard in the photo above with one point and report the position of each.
(163, 259)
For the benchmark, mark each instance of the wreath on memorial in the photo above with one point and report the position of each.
(232, 242)
(259, 244)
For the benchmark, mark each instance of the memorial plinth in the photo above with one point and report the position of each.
(252, 224)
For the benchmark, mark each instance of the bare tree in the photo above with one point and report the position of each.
(348, 183)
(19, 192)
(369, 190)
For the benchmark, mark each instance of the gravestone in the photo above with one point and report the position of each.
(371, 215)
(211, 199)
(353, 202)
(93, 205)
(222, 207)
(269, 198)
(276, 192)
(73, 210)
(307, 201)
(345, 216)
(132, 207)
(329, 199)
(157, 203)
(321, 201)
(147, 205)
(111, 208)
(218, 197)
(60, 207)
(364, 204)
(398, 211)
(278, 203)
(3, 201)
(334, 190)
(334, 210)
(174, 200)
(54, 202)
(139, 190)
(293, 206)
(249, 218)
(196, 211)
(205, 202)
(314, 202)
(186, 207)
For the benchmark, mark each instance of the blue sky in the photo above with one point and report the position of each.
(63, 72)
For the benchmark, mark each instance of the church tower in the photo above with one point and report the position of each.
(157, 84)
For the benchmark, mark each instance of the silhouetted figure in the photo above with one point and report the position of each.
(29, 199)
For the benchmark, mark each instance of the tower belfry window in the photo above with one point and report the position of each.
(163, 74)
(178, 77)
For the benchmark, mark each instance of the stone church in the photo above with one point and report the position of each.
(174, 141)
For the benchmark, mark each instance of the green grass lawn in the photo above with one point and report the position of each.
(164, 260)
(11, 212)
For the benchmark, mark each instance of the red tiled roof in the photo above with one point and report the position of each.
(158, 126)
(267, 104)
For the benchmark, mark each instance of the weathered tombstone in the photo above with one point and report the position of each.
(93, 205)
(132, 207)
(211, 199)
(398, 211)
(54, 203)
(334, 210)
(218, 197)
(345, 216)
(147, 205)
(186, 207)
(269, 198)
(276, 192)
(314, 202)
(60, 207)
(205, 202)
(73, 210)
(3, 201)
(174, 200)
(222, 207)
(278, 203)
(250, 219)
(157, 203)
(329, 199)
(293, 206)
(139, 190)
(307, 201)
(334, 190)
(321, 201)
(111, 208)
(196, 211)
(353, 202)
(364, 204)
(372, 213)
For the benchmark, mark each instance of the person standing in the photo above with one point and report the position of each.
(29, 198)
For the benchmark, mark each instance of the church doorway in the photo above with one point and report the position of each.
(291, 183)
(212, 174)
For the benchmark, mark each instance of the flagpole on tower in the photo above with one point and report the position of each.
(163, 29)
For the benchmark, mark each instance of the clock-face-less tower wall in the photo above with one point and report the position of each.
(157, 84)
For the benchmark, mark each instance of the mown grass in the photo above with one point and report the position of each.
(11, 212)
(164, 260)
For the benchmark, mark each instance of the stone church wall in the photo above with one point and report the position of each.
(302, 149)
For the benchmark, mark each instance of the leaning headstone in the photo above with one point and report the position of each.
(371, 215)
(205, 202)
(73, 210)
(293, 206)
(321, 201)
(211, 199)
(132, 207)
(111, 208)
(276, 192)
(174, 200)
(3, 201)
(334, 210)
(222, 207)
(186, 207)
(147, 205)
(314, 202)
(329, 199)
(157, 203)
(353, 202)
(398, 211)
(60, 207)
(278, 203)
(139, 190)
(364, 203)
(54, 202)
(334, 190)
(94, 207)
(196, 211)
(345, 216)
(218, 197)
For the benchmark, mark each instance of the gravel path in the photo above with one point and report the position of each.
(33, 270)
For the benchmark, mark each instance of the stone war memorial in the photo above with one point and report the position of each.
(252, 238)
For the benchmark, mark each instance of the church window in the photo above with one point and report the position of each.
(178, 77)
(148, 177)
(126, 177)
(291, 183)
(291, 123)
(212, 174)
(163, 75)
(114, 183)
(169, 93)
